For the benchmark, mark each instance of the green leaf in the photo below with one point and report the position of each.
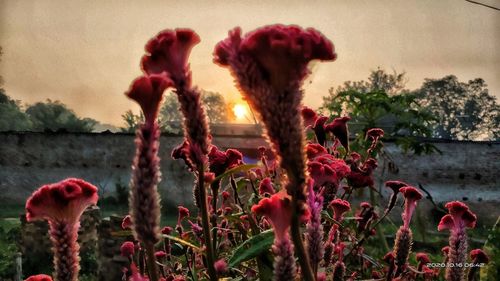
(240, 168)
(182, 242)
(252, 247)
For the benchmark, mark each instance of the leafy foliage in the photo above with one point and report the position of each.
(12, 118)
(463, 111)
(54, 116)
(370, 105)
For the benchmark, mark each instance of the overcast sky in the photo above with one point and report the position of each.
(86, 53)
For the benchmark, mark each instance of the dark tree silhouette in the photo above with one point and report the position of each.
(463, 111)
(55, 116)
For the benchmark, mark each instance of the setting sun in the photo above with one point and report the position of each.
(240, 110)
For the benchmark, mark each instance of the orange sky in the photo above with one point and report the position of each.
(85, 53)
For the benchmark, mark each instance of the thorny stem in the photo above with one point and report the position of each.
(305, 265)
(151, 261)
(206, 225)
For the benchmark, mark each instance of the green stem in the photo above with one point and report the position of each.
(151, 261)
(305, 265)
(206, 225)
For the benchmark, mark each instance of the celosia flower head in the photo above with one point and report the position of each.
(459, 217)
(281, 52)
(127, 249)
(340, 207)
(168, 52)
(266, 186)
(395, 185)
(64, 201)
(375, 133)
(338, 127)
(39, 277)
(412, 195)
(221, 161)
(147, 91)
(278, 209)
(309, 116)
(127, 222)
(314, 150)
(167, 230)
(220, 266)
(319, 129)
(479, 256)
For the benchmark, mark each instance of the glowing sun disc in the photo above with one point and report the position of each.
(240, 111)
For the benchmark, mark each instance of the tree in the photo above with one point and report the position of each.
(132, 121)
(215, 106)
(463, 111)
(381, 102)
(55, 116)
(12, 118)
(378, 80)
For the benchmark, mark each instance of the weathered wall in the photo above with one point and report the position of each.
(464, 171)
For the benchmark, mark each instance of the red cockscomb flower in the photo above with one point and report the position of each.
(64, 201)
(278, 209)
(338, 127)
(147, 91)
(126, 222)
(412, 195)
(458, 219)
(62, 204)
(168, 52)
(340, 207)
(266, 186)
(221, 161)
(39, 277)
(309, 116)
(127, 249)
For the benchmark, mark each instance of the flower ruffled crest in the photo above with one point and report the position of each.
(281, 52)
(168, 52)
(340, 207)
(459, 217)
(338, 127)
(64, 201)
(412, 195)
(278, 209)
(147, 91)
(39, 277)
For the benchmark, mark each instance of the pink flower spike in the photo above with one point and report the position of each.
(39, 277)
(64, 201)
(338, 127)
(266, 186)
(168, 52)
(412, 195)
(340, 207)
(147, 91)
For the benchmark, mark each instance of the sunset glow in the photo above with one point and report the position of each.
(240, 111)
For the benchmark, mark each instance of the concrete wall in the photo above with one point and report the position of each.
(466, 171)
